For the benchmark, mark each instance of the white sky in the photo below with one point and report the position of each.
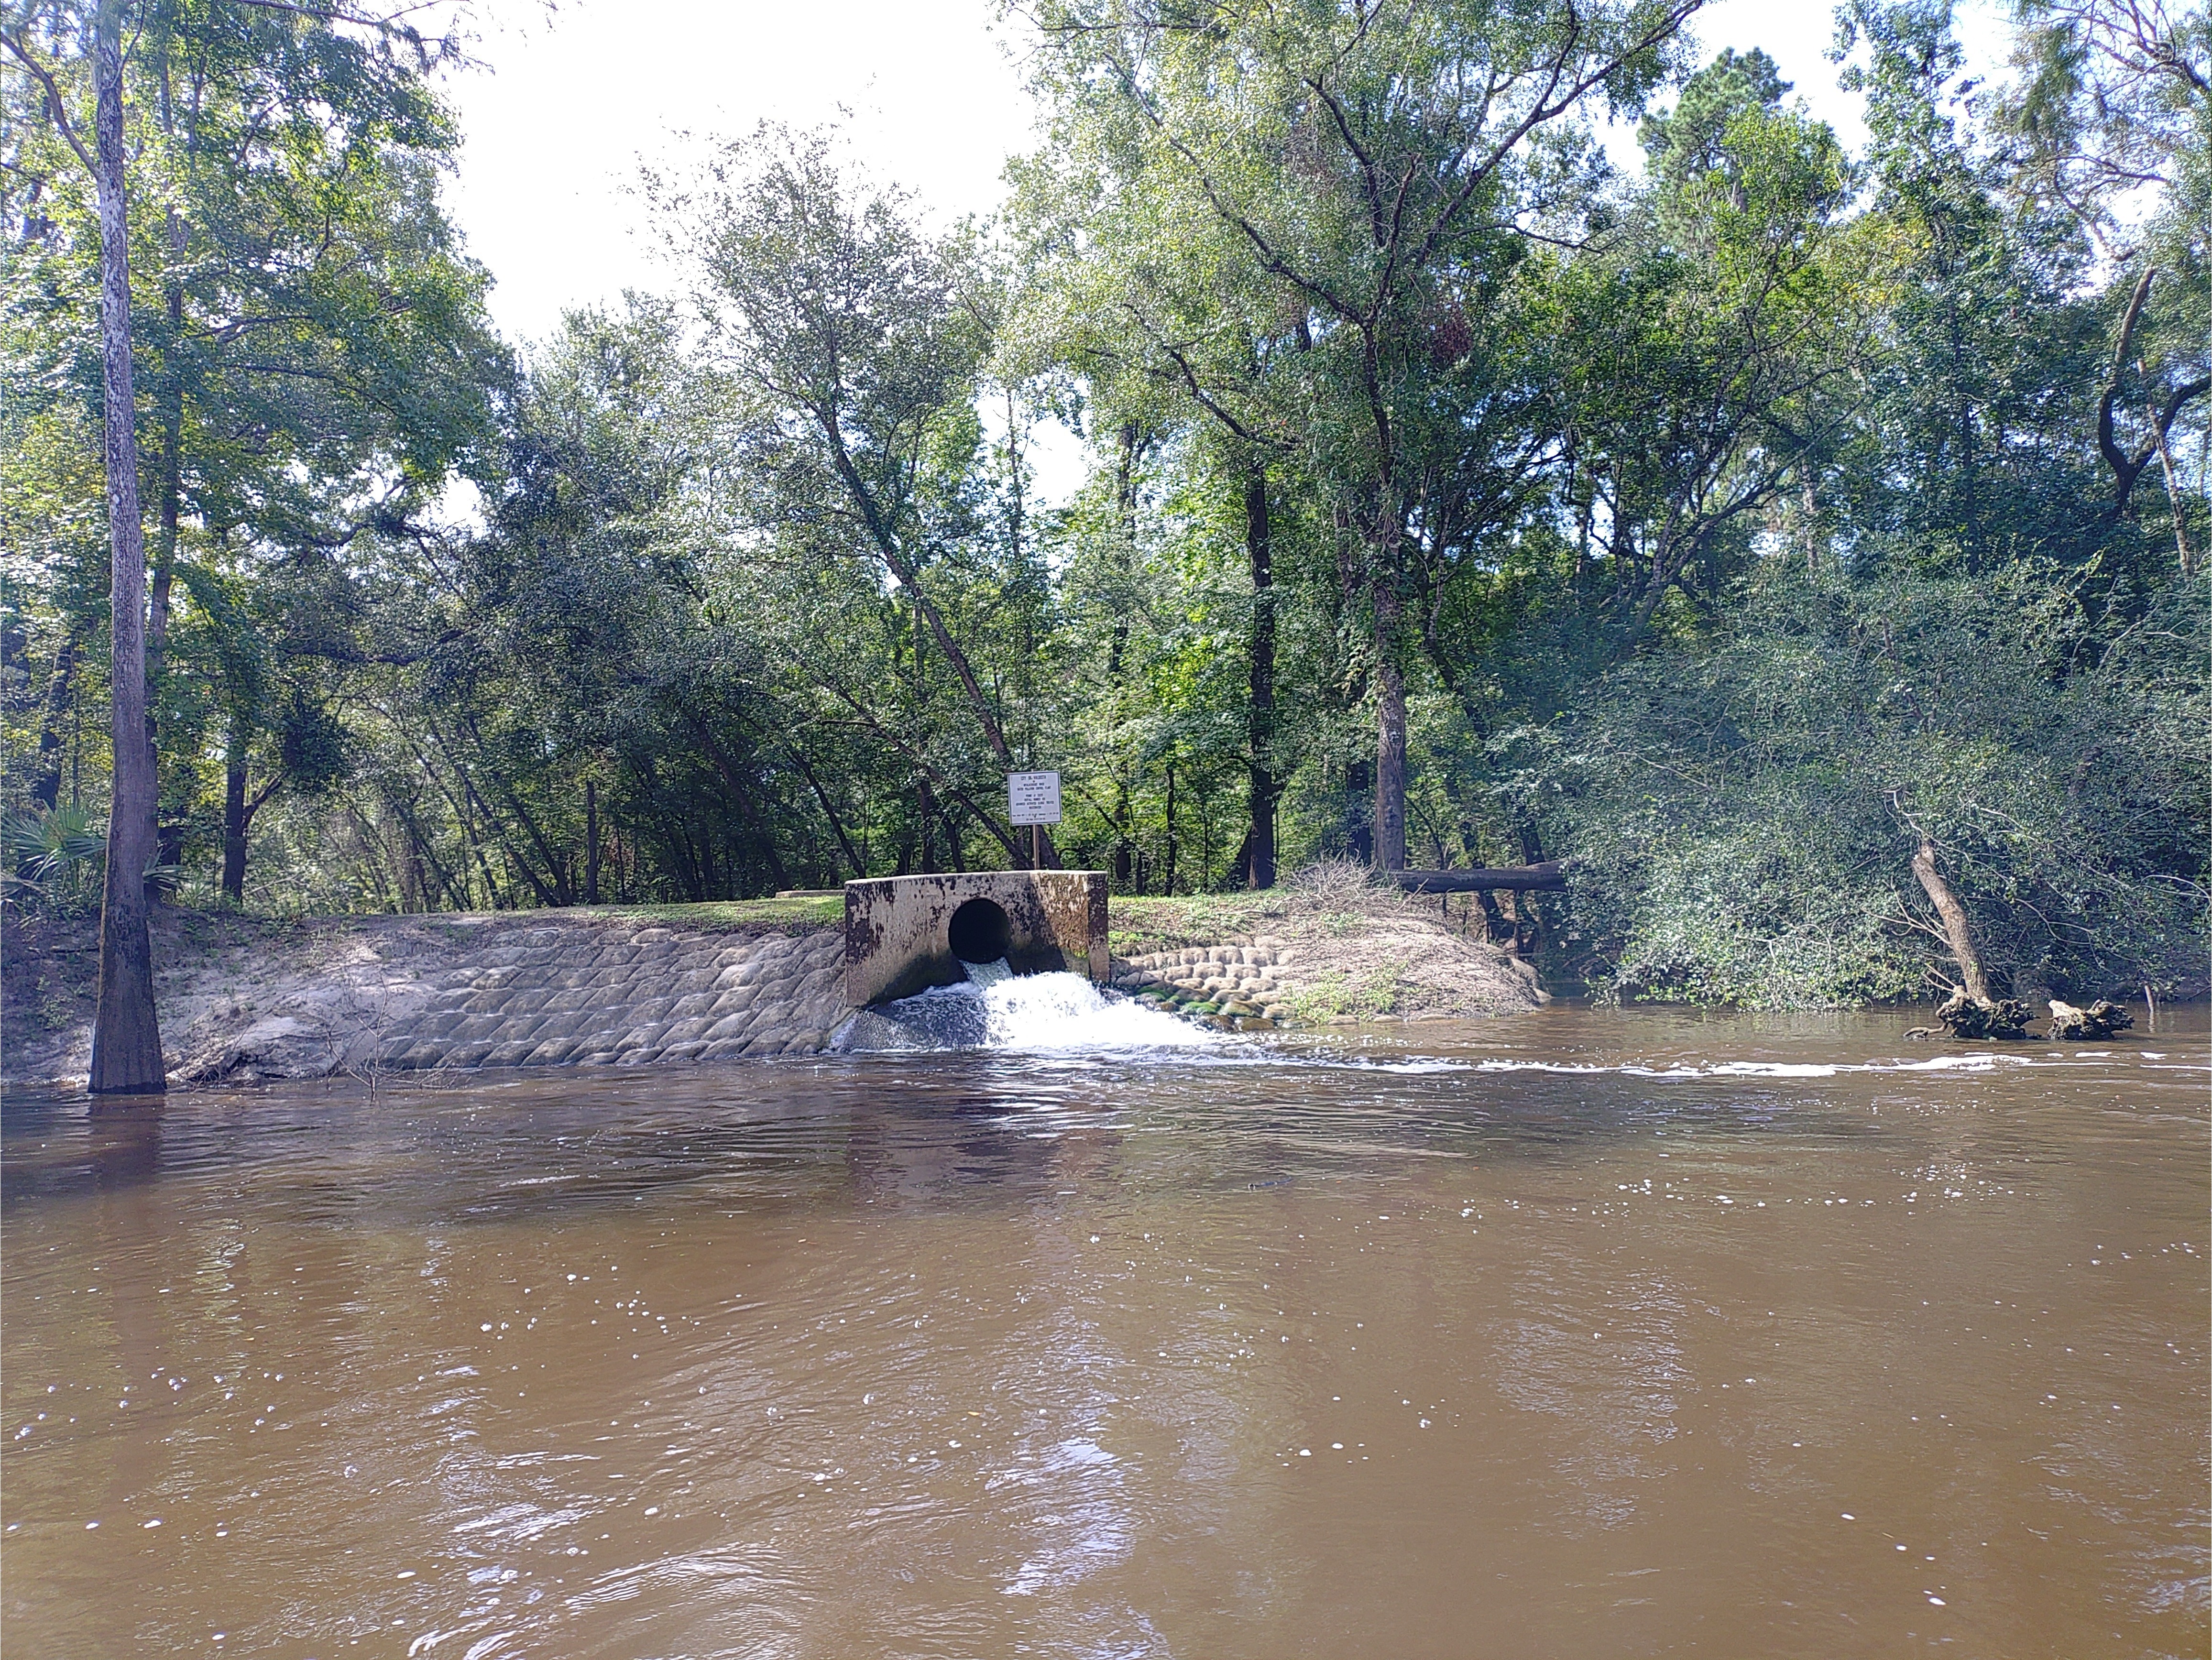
(929, 91)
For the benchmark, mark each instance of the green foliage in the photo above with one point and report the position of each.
(1744, 817)
(311, 747)
(1723, 529)
(56, 857)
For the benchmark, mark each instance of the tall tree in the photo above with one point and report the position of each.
(1166, 327)
(126, 1036)
(2111, 116)
(309, 337)
(1713, 348)
(1382, 165)
(853, 344)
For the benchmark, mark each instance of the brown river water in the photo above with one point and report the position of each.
(1579, 1334)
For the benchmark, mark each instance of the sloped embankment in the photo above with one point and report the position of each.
(247, 1001)
(1330, 949)
(244, 1003)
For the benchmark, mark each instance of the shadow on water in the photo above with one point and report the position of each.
(51, 1146)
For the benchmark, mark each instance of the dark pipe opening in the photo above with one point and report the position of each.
(980, 932)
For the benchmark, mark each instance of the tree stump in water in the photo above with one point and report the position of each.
(1972, 1017)
(2099, 1019)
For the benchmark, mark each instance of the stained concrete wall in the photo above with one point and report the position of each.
(897, 928)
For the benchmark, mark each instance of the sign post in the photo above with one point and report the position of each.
(1033, 798)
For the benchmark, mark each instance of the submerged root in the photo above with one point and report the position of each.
(2002, 1018)
(2100, 1019)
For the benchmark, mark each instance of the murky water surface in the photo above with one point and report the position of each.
(1580, 1334)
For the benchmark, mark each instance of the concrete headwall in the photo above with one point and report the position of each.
(899, 929)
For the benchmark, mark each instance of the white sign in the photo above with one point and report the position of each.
(1033, 798)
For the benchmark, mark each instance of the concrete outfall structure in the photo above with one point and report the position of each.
(249, 1001)
(906, 933)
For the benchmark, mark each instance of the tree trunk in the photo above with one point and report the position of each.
(836, 825)
(167, 504)
(1493, 920)
(1543, 876)
(471, 845)
(2173, 500)
(1524, 900)
(741, 792)
(591, 843)
(233, 826)
(457, 890)
(1259, 544)
(1168, 887)
(908, 572)
(126, 1036)
(1359, 809)
(1389, 734)
(954, 851)
(46, 788)
(238, 815)
(1953, 915)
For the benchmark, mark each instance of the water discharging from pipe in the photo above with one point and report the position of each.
(996, 1008)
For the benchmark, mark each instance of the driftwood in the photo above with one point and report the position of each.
(1973, 1017)
(2099, 1019)
(1545, 878)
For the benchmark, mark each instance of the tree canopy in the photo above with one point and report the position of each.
(1510, 435)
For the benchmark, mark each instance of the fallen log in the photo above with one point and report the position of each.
(1545, 878)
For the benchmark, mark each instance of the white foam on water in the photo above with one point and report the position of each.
(1032, 1013)
(1768, 1068)
(1066, 1012)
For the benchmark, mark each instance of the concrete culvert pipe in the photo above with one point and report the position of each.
(980, 932)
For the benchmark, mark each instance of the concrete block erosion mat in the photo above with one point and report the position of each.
(256, 1000)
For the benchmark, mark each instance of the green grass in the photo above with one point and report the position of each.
(1135, 926)
(1337, 996)
(826, 912)
(218, 928)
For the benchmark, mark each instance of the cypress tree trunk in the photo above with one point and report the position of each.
(1259, 544)
(127, 1037)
